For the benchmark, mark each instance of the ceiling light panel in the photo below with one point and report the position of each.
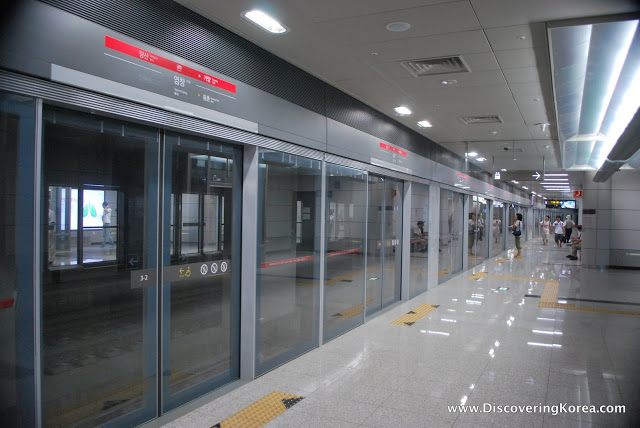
(264, 21)
(596, 72)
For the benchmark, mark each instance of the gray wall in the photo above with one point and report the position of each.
(612, 234)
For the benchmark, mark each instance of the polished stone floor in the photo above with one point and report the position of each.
(485, 343)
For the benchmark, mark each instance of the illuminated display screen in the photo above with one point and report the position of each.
(562, 204)
(92, 208)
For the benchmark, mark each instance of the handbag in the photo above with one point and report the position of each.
(517, 231)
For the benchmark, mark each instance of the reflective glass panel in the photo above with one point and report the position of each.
(288, 271)
(345, 237)
(419, 239)
(201, 272)
(99, 325)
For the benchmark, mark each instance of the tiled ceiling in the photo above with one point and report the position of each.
(503, 42)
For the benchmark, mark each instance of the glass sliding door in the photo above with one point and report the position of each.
(288, 271)
(201, 266)
(17, 203)
(419, 239)
(99, 324)
(345, 237)
(478, 243)
(452, 226)
(384, 242)
(497, 228)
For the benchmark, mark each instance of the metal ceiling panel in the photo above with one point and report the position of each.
(500, 13)
(518, 58)
(424, 85)
(517, 36)
(526, 75)
(425, 21)
(459, 43)
(329, 10)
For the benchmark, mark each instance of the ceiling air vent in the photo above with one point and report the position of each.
(433, 66)
(476, 120)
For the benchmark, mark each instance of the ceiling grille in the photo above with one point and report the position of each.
(433, 66)
(475, 120)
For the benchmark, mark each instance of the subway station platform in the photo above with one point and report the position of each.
(540, 330)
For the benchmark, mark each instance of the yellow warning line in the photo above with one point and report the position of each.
(415, 315)
(549, 299)
(353, 311)
(260, 412)
(479, 275)
(443, 273)
(502, 260)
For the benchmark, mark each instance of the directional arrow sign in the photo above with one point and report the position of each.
(536, 175)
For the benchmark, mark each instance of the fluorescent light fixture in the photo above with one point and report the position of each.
(558, 333)
(525, 187)
(402, 111)
(503, 170)
(601, 100)
(424, 124)
(515, 182)
(472, 154)
(548, 345)
(556, 175)
(466, 187)
(264, 21)
(447, 320)
(481, 159)
(555, 179)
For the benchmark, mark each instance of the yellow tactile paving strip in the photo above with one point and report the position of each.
(353, 311)
(415, 315)
(549, 299)
(502, 260)
(260, 412)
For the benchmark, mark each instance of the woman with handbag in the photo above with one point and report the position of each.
(517, 232)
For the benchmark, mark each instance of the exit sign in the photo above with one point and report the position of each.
(577, 193)
(496, 175)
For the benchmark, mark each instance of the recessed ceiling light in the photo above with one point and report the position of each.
(522, 37)
(449, 82)
(503, 170)
(472, 154)
(398, 26)
(424, 124)
(525, 187)
(403, 111)
(481, 159)
(494, 132)
(264, 21)
(515, 182)
(374, 53)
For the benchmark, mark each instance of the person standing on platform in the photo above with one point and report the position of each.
(568, 228)
(558, 230)
(473, 226)
(545, 224)
(517, 232)
(419, 237)
(106, 224)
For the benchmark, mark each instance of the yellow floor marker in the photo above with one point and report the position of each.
(478, 275)
(260, 412)
(443, 273)
(353, 311)
(415, 315)
(549, 299)
(502, 260)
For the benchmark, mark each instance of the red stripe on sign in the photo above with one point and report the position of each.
(286, 261)
(343, 252)
(152, 58)
(6, 303)
(393, 149)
